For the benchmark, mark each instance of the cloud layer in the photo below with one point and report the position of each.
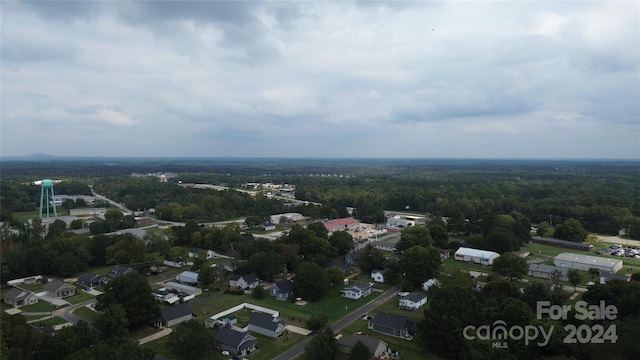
(321, 79)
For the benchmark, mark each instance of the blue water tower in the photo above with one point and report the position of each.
(47, 198)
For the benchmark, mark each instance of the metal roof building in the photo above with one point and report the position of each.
(586, 262)
(477, 256)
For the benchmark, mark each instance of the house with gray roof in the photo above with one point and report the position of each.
(173, 315)
(18, 297)
(248, 281)
(118, 270)
(91, 280)
(357, 290)
(606, 276)
(266, 324)
(390, 324)
(282, 289)
(377, 348)
(412, 301)
(546, 271)
(234, 341)
(60, 289)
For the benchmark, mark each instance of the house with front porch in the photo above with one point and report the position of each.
(234, 341)
(266, 324)
(357, 291)
(19, 297)
(173, 315)
(282, 289)
(60, 289)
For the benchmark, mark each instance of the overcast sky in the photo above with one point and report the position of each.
(321, 79)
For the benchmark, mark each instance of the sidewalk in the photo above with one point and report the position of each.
(156, 336)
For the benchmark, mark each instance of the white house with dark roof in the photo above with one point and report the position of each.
(378, 275)
(390, 324)
(282, 289)
(19, 297)
(195, 252)
(266, 324)
(412, 301)
(429, 283)
(60, 289)
(234, 341)
(173, 315)
(357, 290)
(248, 281)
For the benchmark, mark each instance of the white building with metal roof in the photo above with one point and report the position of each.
(477, 256)
(586, 262)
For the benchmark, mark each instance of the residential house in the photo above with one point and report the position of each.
(18, 297)
(341, 224)
(248, 281)
(234, 341)
(173, 315)
(444, 253)
(175, 263)
(195, 252)
(429, 283)
(378, 275)
(412, 301)
(521, 253)
(546, 271)
(266, 324)
(163, 295)
(357, 290)
(282, 289)
(187, 277)
(118, 270)
(60, 289)
(182, 288)
(268, 226)
(352, 258)
(346, 269)
(606, 276)
(384, 245)
(394, 325)
(377, 348)
(91, 280)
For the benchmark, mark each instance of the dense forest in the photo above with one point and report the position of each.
(603, 196)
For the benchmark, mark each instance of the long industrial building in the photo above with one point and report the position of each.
(477, 256)
(586, 262)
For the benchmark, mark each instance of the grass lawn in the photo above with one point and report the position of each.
(143, 332)
(36, 287)
(53, 321)
(87, 314)
(40, 306)
(79, 297)
(391, 307)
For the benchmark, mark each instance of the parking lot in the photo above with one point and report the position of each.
(619, 250)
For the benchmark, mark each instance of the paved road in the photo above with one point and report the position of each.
(342, 323)
(67, 312)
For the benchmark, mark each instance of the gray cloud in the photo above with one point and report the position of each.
(407, 79)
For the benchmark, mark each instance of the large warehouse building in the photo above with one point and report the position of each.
(586, 262)
(477, 256)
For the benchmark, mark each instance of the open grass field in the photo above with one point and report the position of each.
(79, 297)
(40, 306)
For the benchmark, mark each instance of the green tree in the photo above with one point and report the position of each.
(412, 236)
(317, 321)
(206, 276)
(502, 240)
(439, 235)
(335, 275)
(189, 339)
(341, 241)
(360, 351)
(323, 346)
(371, 259)
(571, 230)
(419, 264)
(499, 289)
(133, 293)
(258, 292)
(253, 221)
(310, 282)
(575, 277)
(319, 230)
(266, 264)
(112, 323)
(510, 266)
